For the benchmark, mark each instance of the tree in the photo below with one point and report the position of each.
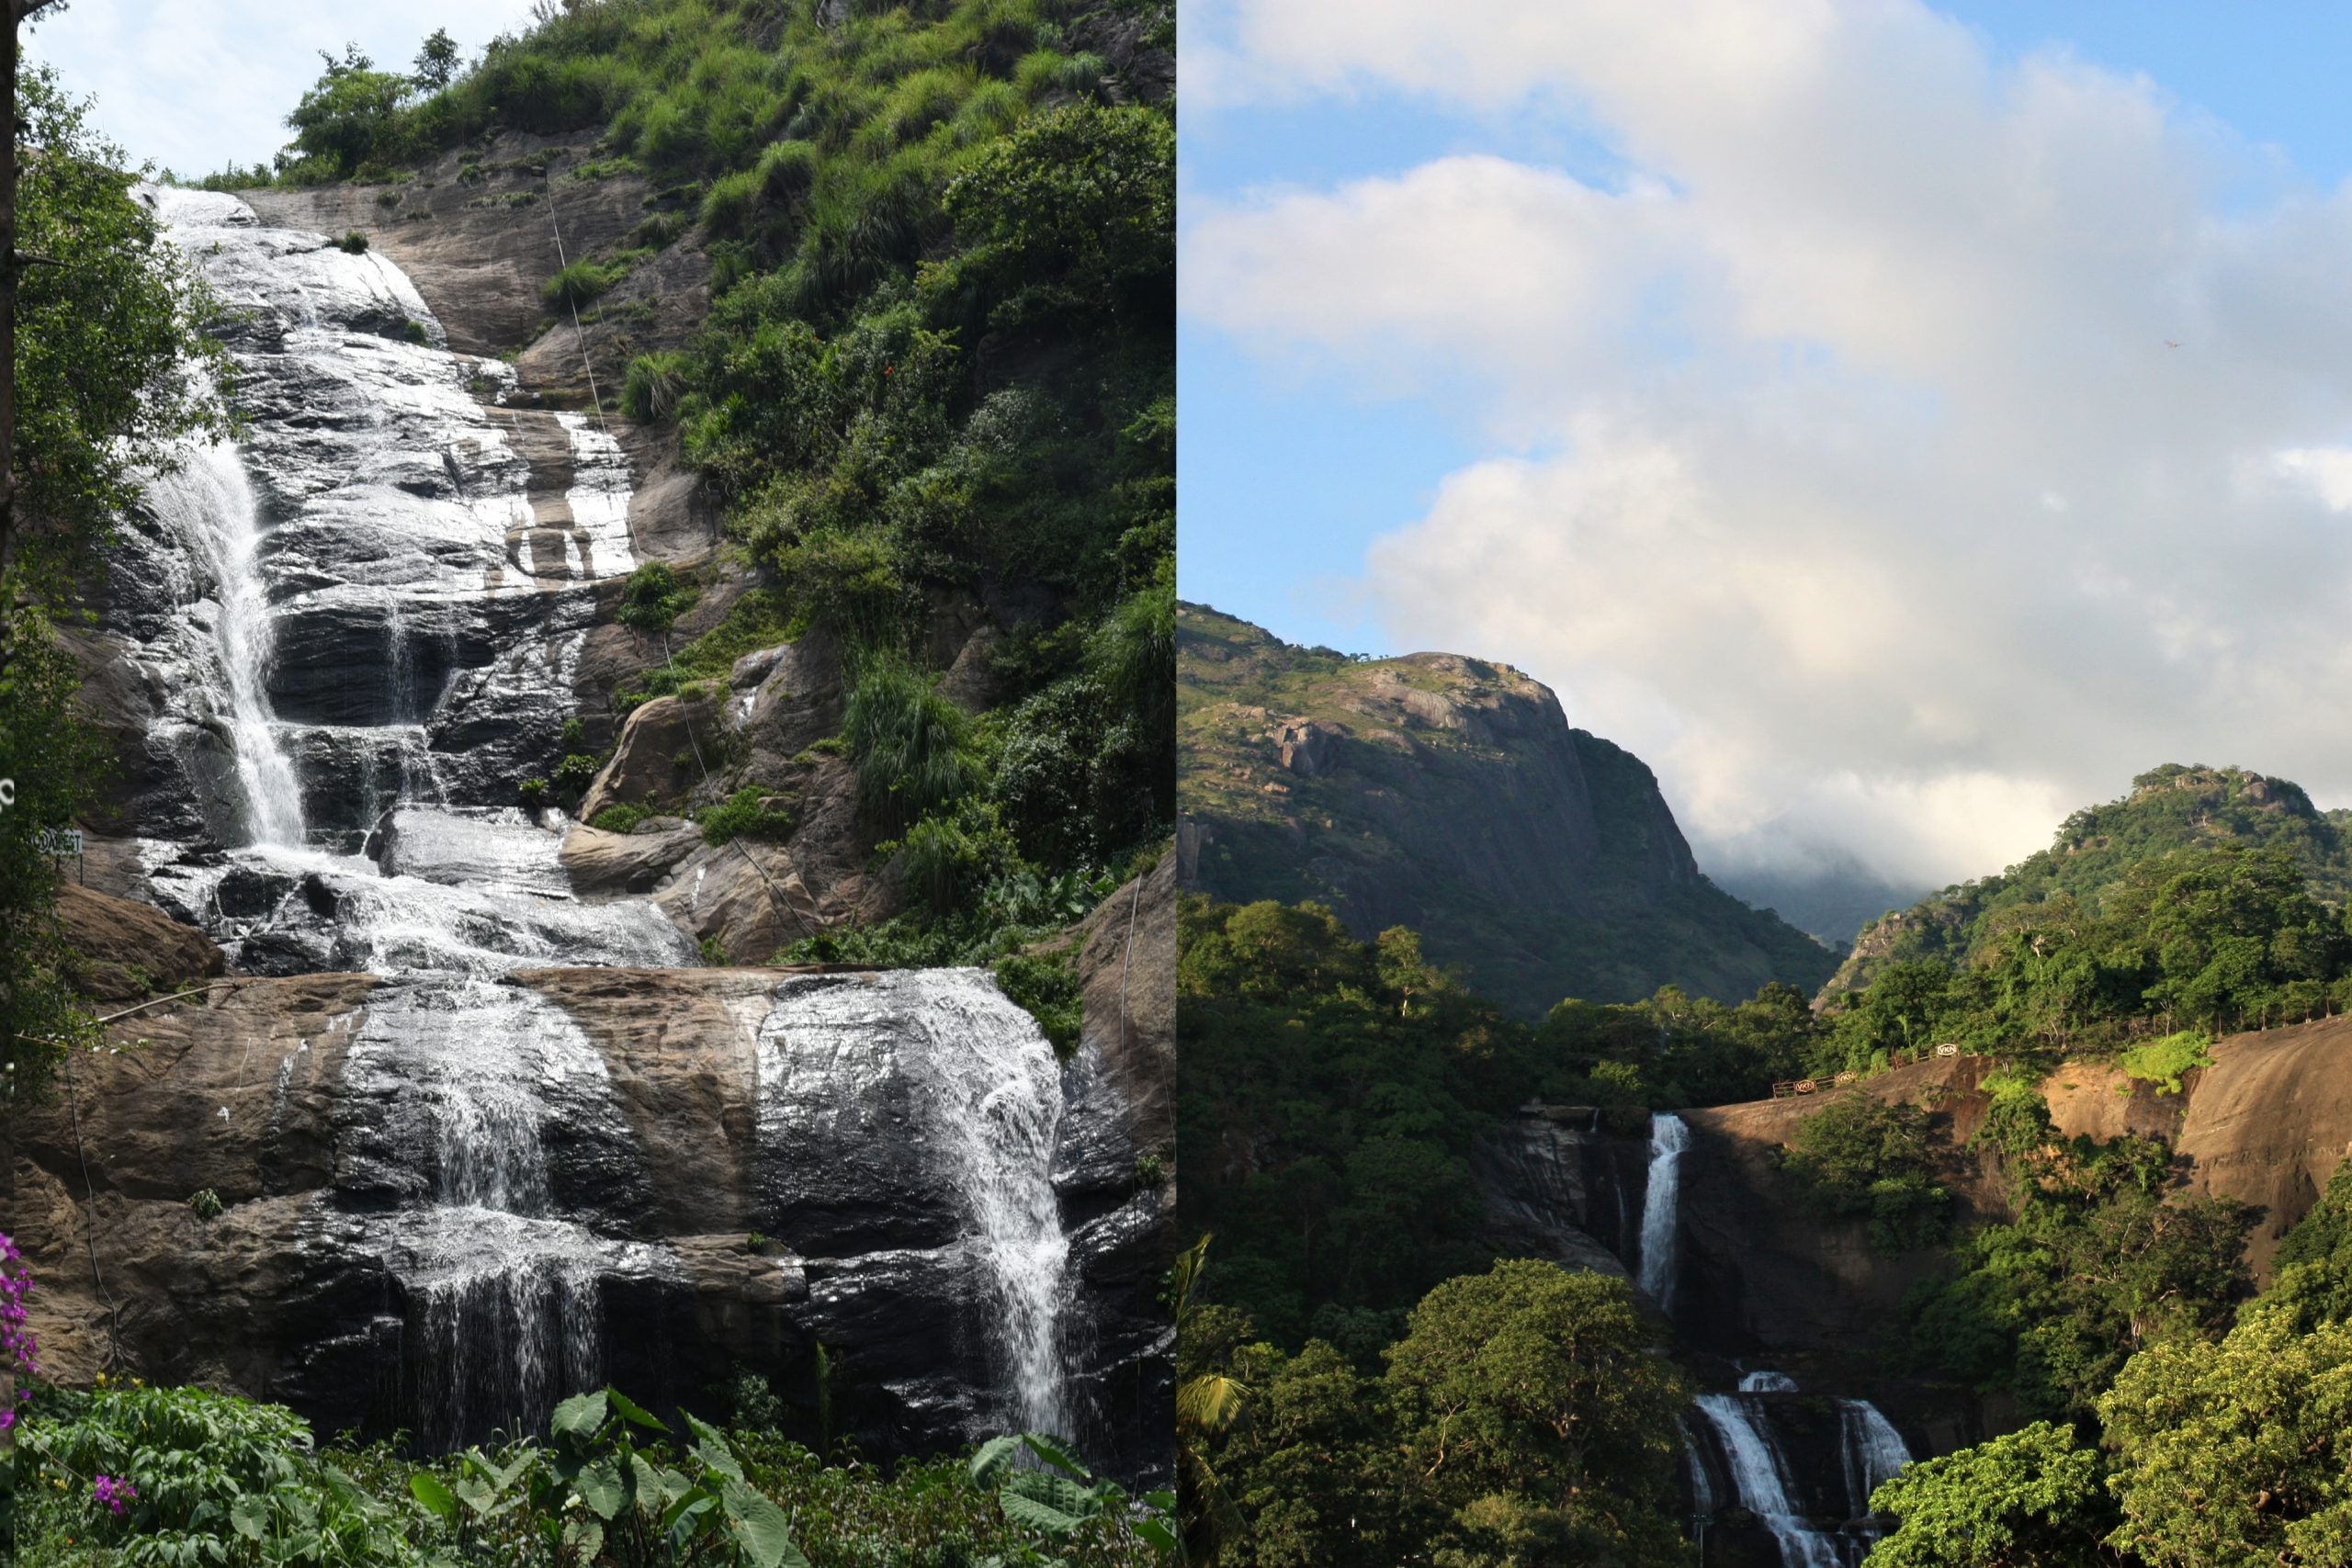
(1533, 1408)
(2236, 1455)
(436, 62)
(349, 116)
(109, 374)
(2033, 1498)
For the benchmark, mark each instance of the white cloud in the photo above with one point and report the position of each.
(195, 85)
(1872, 503)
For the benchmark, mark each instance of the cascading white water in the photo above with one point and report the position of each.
(1767, 1382)
(1762, 1483)
(999, 1105)
(1873, 1452)
(208, 503)
(1702, 1488)
(1661, 1207)
(990, 1105)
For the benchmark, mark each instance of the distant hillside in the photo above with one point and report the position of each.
(1831, 901)
(1451, 795)
(2171, 809)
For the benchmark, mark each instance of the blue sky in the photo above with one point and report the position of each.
(194, 86)
(1287, 476)
(1899, 424)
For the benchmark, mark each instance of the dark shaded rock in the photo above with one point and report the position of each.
(125, 950)
(1451, 795)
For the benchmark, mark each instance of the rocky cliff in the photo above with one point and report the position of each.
(1762, 1279)
(1451, 795)
(458, 1132)
(747, 1165)
(2167, 810)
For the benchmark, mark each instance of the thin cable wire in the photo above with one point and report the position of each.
(578, 333)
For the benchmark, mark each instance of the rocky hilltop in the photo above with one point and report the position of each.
(2175, 806)
(1451, 795)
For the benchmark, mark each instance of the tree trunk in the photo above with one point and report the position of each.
(17, 11)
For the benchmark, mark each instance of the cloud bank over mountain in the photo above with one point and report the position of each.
(1896, 446)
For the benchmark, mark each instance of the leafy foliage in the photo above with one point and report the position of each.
(2032, 1498)
(113, 372)
(1522, 1417)
(1872, 1159)
(748, 813)
(210, 1478)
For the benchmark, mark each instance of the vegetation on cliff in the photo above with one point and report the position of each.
(938, 372)
(2100, 852)
(1451, 795)
(2212, 1437)
(1521, 1416)
(108, 330)
(1332, 1091)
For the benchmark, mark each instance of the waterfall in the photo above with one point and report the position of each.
(1660, 1207)
(985, 1092)
(1764, 1382)
(1000, 1104)
(403, 657)
(1761, 1482)
(1873, 1452)
(209, 504)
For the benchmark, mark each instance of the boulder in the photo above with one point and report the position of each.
(607, 865)
(126, 950)
(646, 764)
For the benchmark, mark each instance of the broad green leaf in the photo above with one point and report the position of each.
(600, 1488)
(427, 1488)
(580, 1415)
(476, 1494)
(249, 1516)
(1029, 1512)
(628, 1409)
(585, 1536)
(761, 1528)
(646, 1484)
(710, 1447)
(1156, 1533)
(1054, 1454)
(994, 1459)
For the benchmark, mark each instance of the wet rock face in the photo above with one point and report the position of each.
(627, 1126)
(425, 558)
(1558, 1184)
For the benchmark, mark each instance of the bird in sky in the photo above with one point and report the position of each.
(2169, 343)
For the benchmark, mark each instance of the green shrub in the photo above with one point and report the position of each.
(581, 281)
(2162, 1062)
(205, 1203)
(213, 1472)
(653, 598)
(354, 243)
(1863, 1159)
(534, 792)
(730, 204)
(417, 333)
(621, 818)
(575, 773)
(1048, 989)
(911, 746)
(653, 386)
(746, 813)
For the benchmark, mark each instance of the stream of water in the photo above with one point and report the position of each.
(375, 615)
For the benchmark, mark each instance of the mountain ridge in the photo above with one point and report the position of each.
(1450, 794)
(2171, 807)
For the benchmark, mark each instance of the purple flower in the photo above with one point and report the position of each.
(113, 1493)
